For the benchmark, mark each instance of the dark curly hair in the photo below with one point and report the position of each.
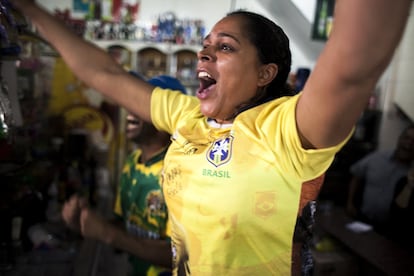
(272, 46)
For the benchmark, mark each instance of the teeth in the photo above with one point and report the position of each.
(204, 75)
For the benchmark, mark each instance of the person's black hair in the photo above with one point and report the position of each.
(272, 46)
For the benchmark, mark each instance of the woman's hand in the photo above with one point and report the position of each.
(93, 226)
(71, 212)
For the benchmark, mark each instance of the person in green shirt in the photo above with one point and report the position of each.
(142, 229)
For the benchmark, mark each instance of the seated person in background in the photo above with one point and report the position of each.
(374, 179)
(402, 212)
(139, 204)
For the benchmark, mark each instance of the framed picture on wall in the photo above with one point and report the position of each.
(323, 21)
(81, 6)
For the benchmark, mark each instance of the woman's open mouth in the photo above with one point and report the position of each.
(206, 84)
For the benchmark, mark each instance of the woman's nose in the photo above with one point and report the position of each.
(205, 54)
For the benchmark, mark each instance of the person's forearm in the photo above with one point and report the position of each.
(157, 252)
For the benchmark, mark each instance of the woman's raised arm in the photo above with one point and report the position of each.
(94, 66)
(364, 37)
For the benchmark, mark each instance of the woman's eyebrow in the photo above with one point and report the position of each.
(223, 34)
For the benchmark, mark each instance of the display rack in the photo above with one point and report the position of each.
(150, 59)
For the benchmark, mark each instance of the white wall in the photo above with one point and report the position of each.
(397, 89)
(404, 66)
(307, 7)
(299, 59)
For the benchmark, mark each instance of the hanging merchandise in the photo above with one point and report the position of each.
(80, 6)
(10, 24)
(106, 10)
(166, 27)
(125, 11)
(95, 9)
(129, 11)
(67, 89)
(6, 114)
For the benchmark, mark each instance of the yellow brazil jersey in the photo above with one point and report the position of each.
(233, 193)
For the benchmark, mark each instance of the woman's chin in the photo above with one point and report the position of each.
(207, 111)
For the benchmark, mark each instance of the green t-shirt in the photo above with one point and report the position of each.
(141, 205)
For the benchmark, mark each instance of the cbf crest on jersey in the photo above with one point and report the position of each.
(219, 152)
